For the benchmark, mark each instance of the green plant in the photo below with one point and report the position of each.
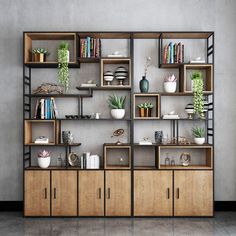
(145, 105)
(63, 72)
(116, 102)
(198, 93)
(40, 50)
(198, 132)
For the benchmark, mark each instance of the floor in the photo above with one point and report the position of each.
(12, 223)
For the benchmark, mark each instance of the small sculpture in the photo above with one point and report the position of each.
(185, 158)
(46, 88)
(118, 133)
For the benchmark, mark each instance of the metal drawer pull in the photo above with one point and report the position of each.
(177, 193)
(99, 193)
(108, 193)
(54, 193)
(168, 193)
(45, 193)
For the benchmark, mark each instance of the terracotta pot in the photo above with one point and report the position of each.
(148, 112)
(141, 112)
(39, 57)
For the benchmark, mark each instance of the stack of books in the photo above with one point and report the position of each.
(41, 140)
(90, 47)
(170, 116)
(173, 53)
(46, 109)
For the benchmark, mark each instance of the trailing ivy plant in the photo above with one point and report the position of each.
(198, 93)
(63, 71)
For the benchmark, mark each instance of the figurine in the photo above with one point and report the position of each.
(46, 88)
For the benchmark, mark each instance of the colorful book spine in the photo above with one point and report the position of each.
(88, 46)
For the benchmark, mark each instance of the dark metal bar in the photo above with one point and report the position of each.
(210, 47)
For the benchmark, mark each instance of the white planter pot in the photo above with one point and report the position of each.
(117, 113)
(44, 162)
(68, 55)
(170, 87)
(199, 141)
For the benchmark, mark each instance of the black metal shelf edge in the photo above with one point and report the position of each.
(101, 119)
(46, 144)
(177, 65)
(173, 145)
(104, 88)
(57, 95)
(49, 65)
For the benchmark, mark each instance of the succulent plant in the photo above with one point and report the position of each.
(145, 105)
(171, 78)
(198, 132)
(43, 154)
(116, 102)
(40, 50)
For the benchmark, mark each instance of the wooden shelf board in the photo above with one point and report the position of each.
(145, 168)
(105, 35)
(179, 167)
(50, 64)
(56, 95)
(186, 35)
(189, 65)
(60, 168)
(111, 167)
(51, 35)
(192, 145)
(117, 145)
(145, 145)
(52, 144)
(79, 119)
(146, 118)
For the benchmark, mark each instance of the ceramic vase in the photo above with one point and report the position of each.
(170, 87)
(118, 113)
(44, 162)
(144, 85)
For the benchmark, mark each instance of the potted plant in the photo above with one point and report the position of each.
(170, 84)
(63, 59)
(199, 135)
(198, 100)
(44, 159)
(144, 83)
(145, 109)
(117, 105)
(39, 54)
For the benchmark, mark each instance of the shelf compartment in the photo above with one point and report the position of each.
(31, 41)
(154, 98)
(186, 35)
(117, 156)
(111, 64)
(187, 70)
(105, 35)
(201, 156)
(34, 128)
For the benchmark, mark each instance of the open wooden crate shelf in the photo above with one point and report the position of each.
(113, 154)
(201, 156)
(51, 42)
(49, 128)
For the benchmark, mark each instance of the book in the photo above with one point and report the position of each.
(90, 47)
(168, 54)
(36, 109)
(88, 85)
(170, 116)
(42, 108)
(199, 61)
(182, 53)
(165, 54)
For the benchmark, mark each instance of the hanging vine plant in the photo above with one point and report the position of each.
(198, 100)
(63, 70)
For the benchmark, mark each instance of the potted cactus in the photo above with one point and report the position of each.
(145, 109)
(170, 84)
(44, 159)
(199, 135)
(117, 105)
(39, 54)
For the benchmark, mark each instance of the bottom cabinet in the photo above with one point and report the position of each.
(153, 193)
(118, 193)
(37, 193)
(91, 193)
(64, 193)
(193, 193)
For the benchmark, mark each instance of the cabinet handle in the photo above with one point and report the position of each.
(99, 193)
(177, 193)
(54, 193)
(45, 193)
(108, 193)
(168, 193)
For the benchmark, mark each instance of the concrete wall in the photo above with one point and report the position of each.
(26, 15)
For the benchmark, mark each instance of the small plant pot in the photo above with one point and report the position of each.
(199, 141)
(147, 112)
(118, 113)
(170, 87)
(39, 57)
(44, 162)
(141, 112)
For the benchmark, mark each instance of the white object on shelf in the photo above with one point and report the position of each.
(117, 113)
(44, 162)
(199, 141)
(88, 85)
(169, 87)
(170, 117)
(145, 143)
(41, 140)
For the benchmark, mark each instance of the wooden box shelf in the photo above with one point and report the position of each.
(201, 156)
(50, 126)
(117, 156)
(45, 39)
(154, 98)
(185, 77)
(110, 64)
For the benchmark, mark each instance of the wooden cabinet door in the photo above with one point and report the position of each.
(193, 193)
(37, 193)
(153, 193)
(64, 193)
(91, 193)
(118, 193)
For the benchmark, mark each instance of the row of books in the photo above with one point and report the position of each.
(46, 109)
(173, 53)
(90, 162)
(90, 47)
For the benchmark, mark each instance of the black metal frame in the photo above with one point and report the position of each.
(174, 123)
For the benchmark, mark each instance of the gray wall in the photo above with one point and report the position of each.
(26, 15)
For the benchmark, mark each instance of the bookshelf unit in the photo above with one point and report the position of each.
(131, 189)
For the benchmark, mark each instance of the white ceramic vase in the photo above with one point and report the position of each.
(117, 113)
(199, 141)
(44, 162)
(169, 87)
